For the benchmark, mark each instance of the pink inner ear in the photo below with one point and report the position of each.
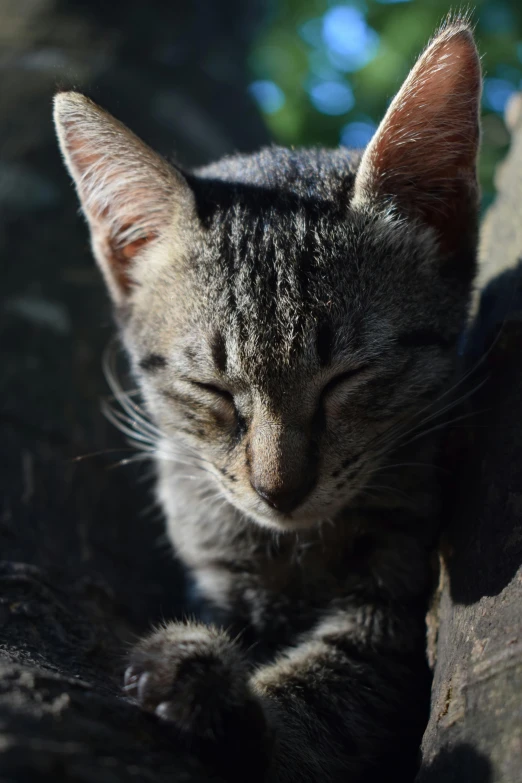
(111, 193)
(130, 250)
(129, 194)
(119, 256)
(423, 156)
(433, 128)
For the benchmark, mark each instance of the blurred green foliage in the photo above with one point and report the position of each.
(324, 71)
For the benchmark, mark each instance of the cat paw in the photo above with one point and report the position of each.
(195, 677)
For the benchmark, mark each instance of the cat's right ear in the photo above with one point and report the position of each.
(422, 160)
(128, 193)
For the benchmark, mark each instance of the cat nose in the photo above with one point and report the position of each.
(282, 499)
(281, 466)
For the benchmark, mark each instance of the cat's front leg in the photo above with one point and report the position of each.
(196, 678)
(331, 708)
(341, 709)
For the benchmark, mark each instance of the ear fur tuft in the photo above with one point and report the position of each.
(128, 193)
(422, 158)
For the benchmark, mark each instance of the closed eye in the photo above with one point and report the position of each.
(343, 377)
(217, 391)
(227, 397)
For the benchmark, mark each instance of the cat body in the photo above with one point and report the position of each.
(292, 318)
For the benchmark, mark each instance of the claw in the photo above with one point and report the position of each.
(130, 679)
(142, 685)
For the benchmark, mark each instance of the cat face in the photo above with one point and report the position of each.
(290, 314)
(286, 357)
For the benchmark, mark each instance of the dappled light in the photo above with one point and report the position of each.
(325, 71)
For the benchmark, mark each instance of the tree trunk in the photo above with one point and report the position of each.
(475, 729)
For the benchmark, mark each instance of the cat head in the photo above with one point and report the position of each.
(289, 313)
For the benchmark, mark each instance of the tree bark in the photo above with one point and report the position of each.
(474, 733)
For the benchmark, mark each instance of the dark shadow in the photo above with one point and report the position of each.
(83, 569)
(461, 764)
(485, 530)
(500, 301)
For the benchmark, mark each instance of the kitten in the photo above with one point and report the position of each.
(292, 318)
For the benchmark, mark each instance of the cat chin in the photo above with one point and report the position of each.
(314, 513)
(300, 519)
(285, 522)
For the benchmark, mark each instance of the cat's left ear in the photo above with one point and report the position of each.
(129, 194)
(422, 158)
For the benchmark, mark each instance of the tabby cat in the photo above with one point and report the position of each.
(292, 318)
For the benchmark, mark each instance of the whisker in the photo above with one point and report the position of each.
(385, 467)
(442, 425)
(115, 418)
(392, 444)
(100, 453)
(123, 398)
(453, 403)
(131, 421)
(391, 490)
